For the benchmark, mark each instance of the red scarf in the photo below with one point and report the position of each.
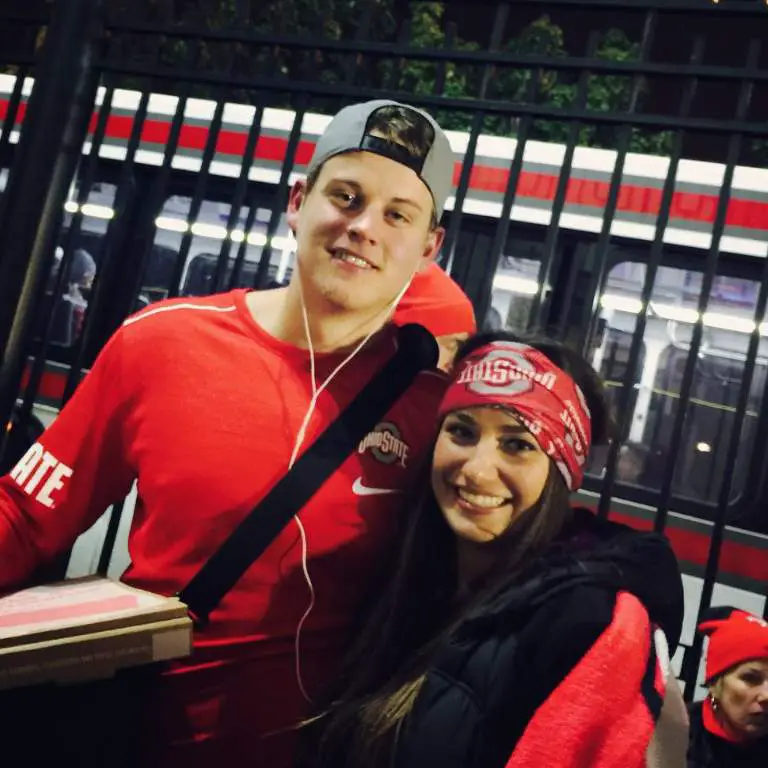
(714, 726)
(546, 399)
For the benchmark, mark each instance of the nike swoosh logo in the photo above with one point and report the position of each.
(363, 490)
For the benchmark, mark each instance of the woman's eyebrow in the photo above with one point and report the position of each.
(516, 429)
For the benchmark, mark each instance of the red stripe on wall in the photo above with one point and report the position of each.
(5, 106)
(52, 385)
(589, 193)
(736, 559)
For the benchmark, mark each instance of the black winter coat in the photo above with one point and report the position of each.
(484, 687)
(486, 682)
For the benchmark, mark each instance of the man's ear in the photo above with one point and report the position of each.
(296, 199)
(432, 247)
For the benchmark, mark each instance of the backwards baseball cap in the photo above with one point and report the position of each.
(547, 401)
(734, 637)
(436, 302)
(350, 131)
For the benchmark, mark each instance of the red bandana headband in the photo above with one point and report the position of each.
(547, 400)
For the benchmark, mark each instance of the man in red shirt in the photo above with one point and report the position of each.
(206, 402)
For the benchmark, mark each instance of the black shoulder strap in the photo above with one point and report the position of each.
(416, 351)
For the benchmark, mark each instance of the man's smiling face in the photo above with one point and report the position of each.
(362, 230)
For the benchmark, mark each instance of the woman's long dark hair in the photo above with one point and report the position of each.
(416, 609)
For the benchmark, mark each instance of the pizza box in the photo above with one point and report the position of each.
(86, 629)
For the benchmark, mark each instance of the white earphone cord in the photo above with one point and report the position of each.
(300, 436)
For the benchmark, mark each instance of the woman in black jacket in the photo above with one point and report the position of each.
(729, 729)
(513, 631)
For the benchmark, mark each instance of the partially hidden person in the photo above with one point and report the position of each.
(514, 631)
(729, 728)
(436, 302)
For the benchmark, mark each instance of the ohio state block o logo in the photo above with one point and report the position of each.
(508, 386)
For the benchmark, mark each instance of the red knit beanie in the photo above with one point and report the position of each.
(435, 301)
(734, 637)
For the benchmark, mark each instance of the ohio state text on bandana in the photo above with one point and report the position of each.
(547, 400)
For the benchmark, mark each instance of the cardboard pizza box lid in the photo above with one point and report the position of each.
(87, 628)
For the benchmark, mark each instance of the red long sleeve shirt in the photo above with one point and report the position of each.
(199, 405)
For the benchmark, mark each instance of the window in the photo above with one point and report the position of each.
(610, 358)
(69, 308)
(700, 468)
(717, 380)
(615, 357)
(209, 239)
(514, 285)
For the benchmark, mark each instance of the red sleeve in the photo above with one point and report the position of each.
(65, 481)
(602, 715)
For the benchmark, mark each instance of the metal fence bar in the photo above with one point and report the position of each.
(651, 270)
(538, 307)
(37, 185)
(710, 271)
(9, 123)
(243, 248)
(237, 203)
(361, 35)
(442, 66)
(624, 138)
(731, 6)
(402, 50)
(502, 227)
(110, 537)
(563, 329)
(98, 296)
(201, 182)
(489, 106)
(403, 37)
(214, 131)
(468, 161)
(281, 196)
(25, 17)
(38, 365)
(160, 186)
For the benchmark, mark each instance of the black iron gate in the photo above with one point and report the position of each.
(674, 81)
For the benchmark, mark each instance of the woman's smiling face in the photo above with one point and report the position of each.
(487, 469)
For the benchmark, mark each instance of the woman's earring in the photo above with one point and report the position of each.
(713, 702)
